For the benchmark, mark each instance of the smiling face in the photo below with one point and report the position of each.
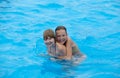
(49, 41)
(49, 37)
(61, 36)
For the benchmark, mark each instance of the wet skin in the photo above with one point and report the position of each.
(49, 41)
(61, 36)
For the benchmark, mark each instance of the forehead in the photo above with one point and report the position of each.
(61, 31)
(48, 37)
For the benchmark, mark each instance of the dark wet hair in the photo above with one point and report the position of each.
(61, 27)
(48, 33)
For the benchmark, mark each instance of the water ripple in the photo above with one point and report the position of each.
(51, 6)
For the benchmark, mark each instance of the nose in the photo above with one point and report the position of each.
(61, 37)
(47, 41)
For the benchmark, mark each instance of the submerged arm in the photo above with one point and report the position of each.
(68, 50)
(77, 53)
(74, 50)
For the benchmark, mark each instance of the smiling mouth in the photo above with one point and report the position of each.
(62, 41)
(49, 43)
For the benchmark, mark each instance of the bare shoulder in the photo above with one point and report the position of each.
(72, 43)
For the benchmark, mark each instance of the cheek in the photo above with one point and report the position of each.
(65, 37)
(57, 38)
(52, 41)
(45, 42)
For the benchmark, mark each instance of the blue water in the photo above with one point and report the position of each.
(94, 25)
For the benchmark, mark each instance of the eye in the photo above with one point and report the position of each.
(58, 35)
(63, 35)
(48, 38)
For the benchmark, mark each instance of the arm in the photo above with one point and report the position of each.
(50, 53)
(68, 50)
(76, 52)
(60, 51)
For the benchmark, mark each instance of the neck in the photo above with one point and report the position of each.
(52, 48)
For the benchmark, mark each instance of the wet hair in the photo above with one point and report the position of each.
(61, 27)
(48, 33)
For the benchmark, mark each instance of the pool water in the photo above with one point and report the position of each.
(93, 25)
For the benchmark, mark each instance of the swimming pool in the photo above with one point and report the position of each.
(93, 25)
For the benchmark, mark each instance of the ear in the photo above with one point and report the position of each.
(68, 38)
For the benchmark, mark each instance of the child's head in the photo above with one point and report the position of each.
(48, 33)
(61, 34)
(49, 37)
